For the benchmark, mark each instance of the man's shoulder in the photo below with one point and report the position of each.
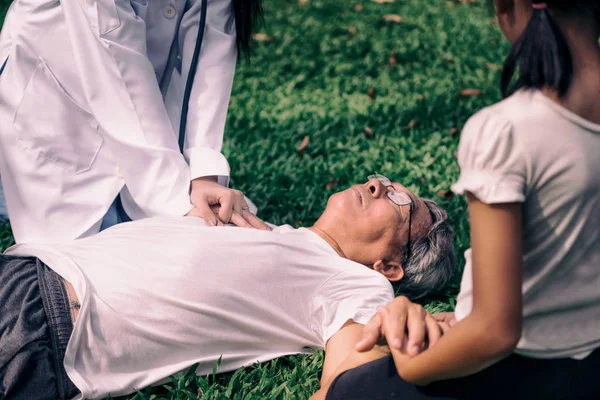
(357, 276)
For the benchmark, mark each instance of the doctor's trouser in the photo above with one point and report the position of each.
(35, 327)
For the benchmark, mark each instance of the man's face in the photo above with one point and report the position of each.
(370, 219)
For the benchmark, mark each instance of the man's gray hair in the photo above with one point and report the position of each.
(432, 262)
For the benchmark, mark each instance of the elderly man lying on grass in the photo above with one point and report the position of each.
(153, 297)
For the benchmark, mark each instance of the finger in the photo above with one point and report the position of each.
(206, 214)
(440, 317)
(416, 329)
(371, 334)
(445, 327)
(434, 331)
(239, 202)
(226, 202)
(396, 322)
(240, 221)
(255, 221)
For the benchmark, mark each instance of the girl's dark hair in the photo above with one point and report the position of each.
(248, 14)
(541, 55)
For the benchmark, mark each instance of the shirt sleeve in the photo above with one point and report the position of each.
(349, 295)
(211, 91)
(492, 163)
(109, 45)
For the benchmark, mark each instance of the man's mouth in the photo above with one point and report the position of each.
(359, 195)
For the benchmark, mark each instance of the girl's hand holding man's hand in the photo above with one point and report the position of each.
(406, 326)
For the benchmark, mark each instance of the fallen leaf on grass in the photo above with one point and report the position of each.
(420, 97)
(263, 37)
(371, 93)
(358, 7)
(331, 184)
(298, 224)
(450, 4)
(393, 59)
(422, 181)
(393, 18)
(471, 92)
(493, 67)
(454, 131)
(352, 31)
(410, 125)
(383, 1)
(302, 3)
(304, 144)
(447, 194)
(368, 131)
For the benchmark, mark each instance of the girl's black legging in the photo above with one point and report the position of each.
(514, 378)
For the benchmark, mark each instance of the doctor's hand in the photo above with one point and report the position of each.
(231, 205)
(406, 326)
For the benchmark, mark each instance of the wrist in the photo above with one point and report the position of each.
(199, 181)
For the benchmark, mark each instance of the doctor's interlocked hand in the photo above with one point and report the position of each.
(219, 205)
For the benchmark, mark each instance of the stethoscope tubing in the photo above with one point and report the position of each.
(191, 76)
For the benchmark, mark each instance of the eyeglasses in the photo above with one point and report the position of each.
(400, 199)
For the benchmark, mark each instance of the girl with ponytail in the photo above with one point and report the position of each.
(527, 319)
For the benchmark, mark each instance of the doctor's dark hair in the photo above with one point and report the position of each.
(541, 57)
(432, 262)
(248, 14)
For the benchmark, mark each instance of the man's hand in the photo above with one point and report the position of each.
(445, 320)
(233, 208)
(394, 320)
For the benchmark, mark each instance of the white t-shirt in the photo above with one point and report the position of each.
(161, 294)
(529, 149)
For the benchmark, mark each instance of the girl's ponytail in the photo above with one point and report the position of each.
(541, 55)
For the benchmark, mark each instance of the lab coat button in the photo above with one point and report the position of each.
(169, 12)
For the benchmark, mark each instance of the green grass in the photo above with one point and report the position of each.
(313, 80)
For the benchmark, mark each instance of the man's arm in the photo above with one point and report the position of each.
(340, 355)
(339, 347)
(352, 360)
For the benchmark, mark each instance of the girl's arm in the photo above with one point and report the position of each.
(493, 328)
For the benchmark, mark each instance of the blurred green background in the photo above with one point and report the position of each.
(335, 90)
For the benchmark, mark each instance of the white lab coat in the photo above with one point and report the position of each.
(90, 102)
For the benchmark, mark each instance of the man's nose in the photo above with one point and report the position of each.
(376, 188)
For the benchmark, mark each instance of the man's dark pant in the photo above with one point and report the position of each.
(514, 378)
(35, 327)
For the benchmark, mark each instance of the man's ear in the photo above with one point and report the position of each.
(391, 270)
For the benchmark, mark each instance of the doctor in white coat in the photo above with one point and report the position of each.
(91, 95)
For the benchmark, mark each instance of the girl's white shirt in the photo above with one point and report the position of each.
(529, 149)
(90, 102)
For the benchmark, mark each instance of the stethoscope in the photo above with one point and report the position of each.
(191, 76)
